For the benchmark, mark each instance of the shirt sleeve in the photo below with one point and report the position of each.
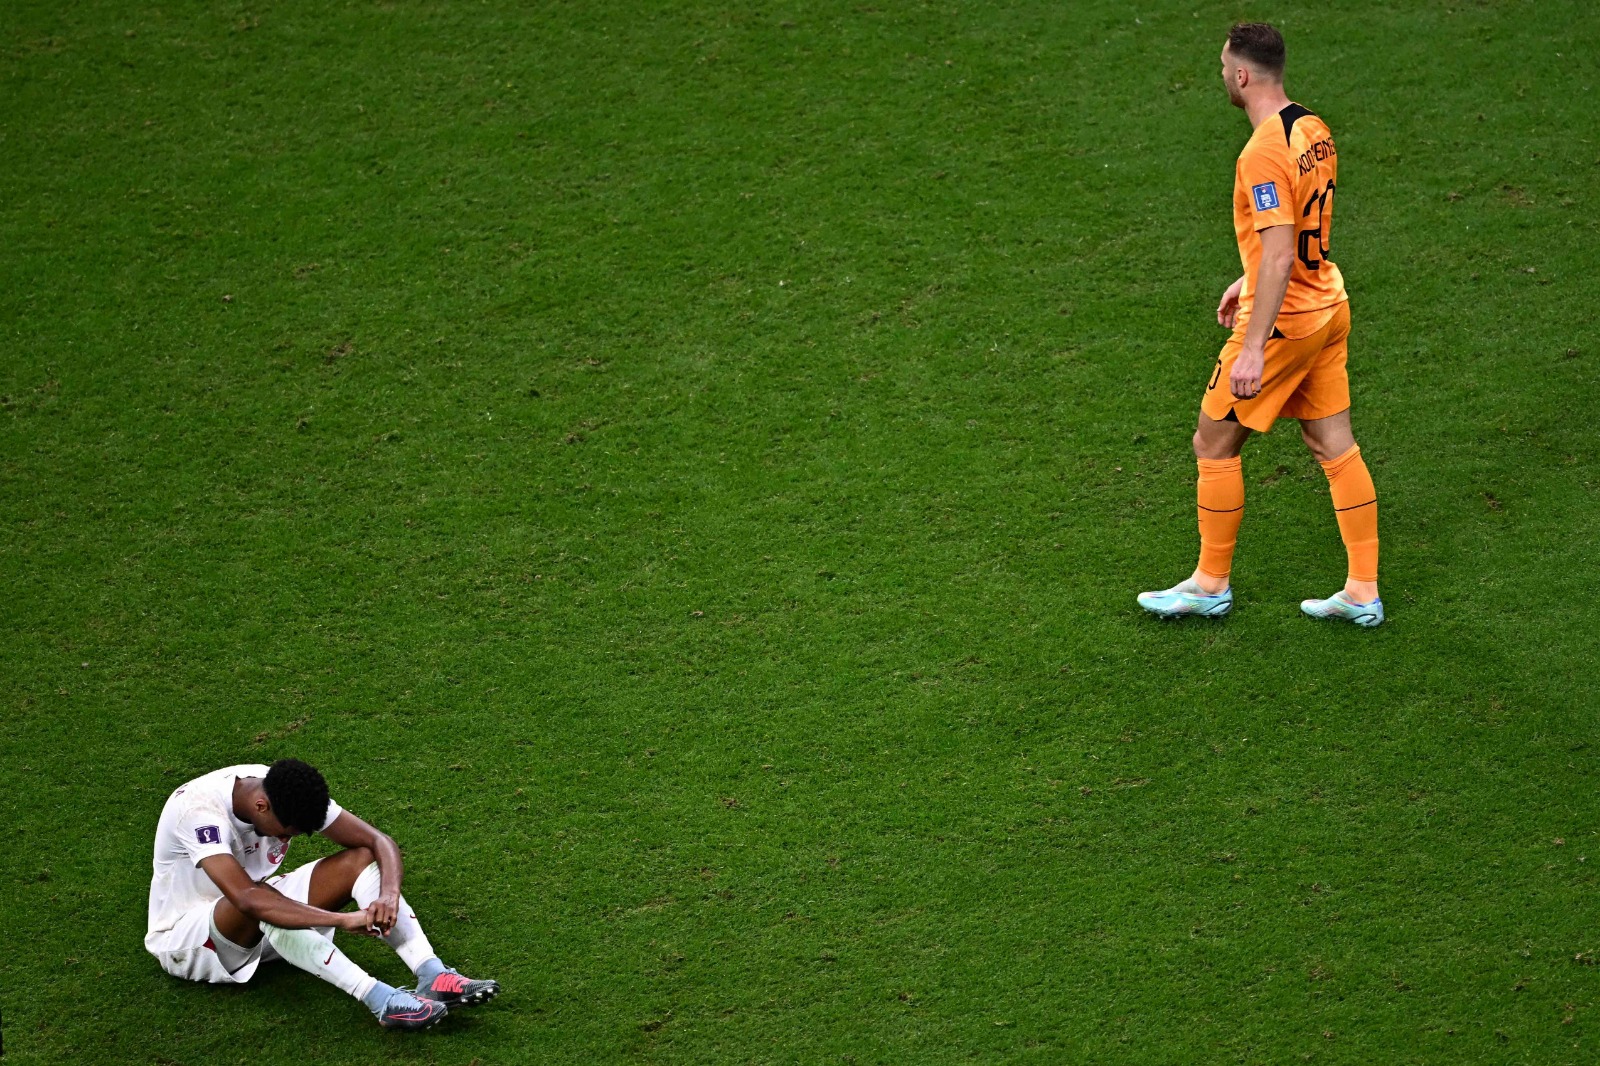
(1266, 178)
(334, 810)
(203, 833)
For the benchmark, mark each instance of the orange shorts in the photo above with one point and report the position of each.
(1301, 378)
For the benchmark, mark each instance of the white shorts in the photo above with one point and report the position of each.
(192, 951)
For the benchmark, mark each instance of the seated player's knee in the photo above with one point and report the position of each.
(360, 857)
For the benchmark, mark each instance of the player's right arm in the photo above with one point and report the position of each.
(263, 903)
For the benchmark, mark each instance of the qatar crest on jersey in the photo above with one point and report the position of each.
(279, 849)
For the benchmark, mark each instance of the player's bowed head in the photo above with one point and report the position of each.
(292, 800)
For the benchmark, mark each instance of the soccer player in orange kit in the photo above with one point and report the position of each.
(1291, 320)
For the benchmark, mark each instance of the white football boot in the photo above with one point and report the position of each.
(1340, 605)
(1187, 598)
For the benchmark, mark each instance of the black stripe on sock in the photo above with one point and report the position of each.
(1227, 510)
(1358, 506)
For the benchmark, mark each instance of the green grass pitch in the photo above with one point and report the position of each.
(684, 470)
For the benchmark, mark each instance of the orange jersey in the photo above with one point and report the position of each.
(1286, 177)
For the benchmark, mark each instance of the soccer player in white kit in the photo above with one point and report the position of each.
(219, 908)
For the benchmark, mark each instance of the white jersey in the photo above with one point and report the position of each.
(198, 822)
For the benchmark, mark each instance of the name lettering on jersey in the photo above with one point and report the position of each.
(1309, 158)
(1265, 195)
(208, 834)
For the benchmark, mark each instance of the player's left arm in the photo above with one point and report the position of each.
(1272, 282)
(351, 832)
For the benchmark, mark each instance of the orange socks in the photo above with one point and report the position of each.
(1355, 502)
(1221, 499)
(1220, 494)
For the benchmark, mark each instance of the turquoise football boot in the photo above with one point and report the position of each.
(1340, 605)
(1187, 598)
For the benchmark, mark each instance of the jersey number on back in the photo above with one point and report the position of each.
(1319, 200)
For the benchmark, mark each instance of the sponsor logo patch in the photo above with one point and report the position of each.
(208, 834)
(1266, 195)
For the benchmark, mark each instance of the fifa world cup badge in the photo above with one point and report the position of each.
(1266, 195)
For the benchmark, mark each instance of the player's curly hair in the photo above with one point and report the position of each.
(298, 794)
(1260, 44)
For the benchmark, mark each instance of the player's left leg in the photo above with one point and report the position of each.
(435, 980)
(1219, 492)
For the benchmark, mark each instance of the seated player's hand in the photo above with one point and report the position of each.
(384, 911)
(358, 922)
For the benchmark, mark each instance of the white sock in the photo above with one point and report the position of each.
(314, 953)
(407, 937)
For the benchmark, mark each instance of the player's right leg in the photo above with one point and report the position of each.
(1355, 505)
(353, 874)
(1219, 494)
(1322, 404)
(313, 951)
